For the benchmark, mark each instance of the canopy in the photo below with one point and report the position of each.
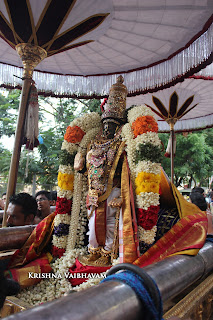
(194, 95)
(152, 43)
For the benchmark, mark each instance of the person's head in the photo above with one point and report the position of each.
(53, 196)
(198, 199)
(198, 189)
(21, 210)
(43, 199)
(4, 195)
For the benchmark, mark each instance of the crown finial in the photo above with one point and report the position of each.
(116, 103)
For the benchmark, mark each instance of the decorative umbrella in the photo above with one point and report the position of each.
(152, 43)
(186, 106)
(80, 47)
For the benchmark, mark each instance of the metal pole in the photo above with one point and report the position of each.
(114, 300)
(171, 123)
(31, 56)
(172, 155)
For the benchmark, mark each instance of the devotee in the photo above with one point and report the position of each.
(43, 199)
(199, 190)
(199, 200)
(21, 210)
(3, 201)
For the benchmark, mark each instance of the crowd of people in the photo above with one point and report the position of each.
(24, 209)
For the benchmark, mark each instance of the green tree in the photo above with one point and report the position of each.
(5, 156)
(193, 158)
(8, 112)
(64, 111)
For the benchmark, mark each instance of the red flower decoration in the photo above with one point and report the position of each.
(147, 219)
(56, 252)
(63, 206)
(74, 134)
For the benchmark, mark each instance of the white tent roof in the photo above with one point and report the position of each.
(150, 42)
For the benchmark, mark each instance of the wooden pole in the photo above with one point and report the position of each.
(31, 56)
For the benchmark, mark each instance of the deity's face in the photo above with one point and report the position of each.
(109, 129)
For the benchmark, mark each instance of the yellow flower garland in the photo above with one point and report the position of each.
(65, 181)
(147, 182)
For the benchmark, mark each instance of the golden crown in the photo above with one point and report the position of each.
(116, 103)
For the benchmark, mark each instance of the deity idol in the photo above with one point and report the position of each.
(112, 188)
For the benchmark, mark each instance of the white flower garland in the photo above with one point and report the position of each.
(83, 219)
(59, 242)
(50, 289)
(139, 111)
(146, 235)
(148, 166)
(69, 147)
(71, 240)
(145, 199)
(61, 193)
(127, 136)
(87, 121)
(90, 124)
(61, 218)
(66, 169)
(149, 137)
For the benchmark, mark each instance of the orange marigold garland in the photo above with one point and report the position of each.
(74, 134)
(72, 138)
(144, 124)
(146, 171)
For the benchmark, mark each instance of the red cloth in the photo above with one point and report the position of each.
(79, 273)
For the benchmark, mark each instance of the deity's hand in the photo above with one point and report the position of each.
(115, 203)
(79, 162)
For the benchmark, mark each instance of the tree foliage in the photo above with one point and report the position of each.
(8, 112)
(193, 160)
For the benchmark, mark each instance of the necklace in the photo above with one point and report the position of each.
(99, 165)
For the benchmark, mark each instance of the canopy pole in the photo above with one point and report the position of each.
(31, 56)
(171, 123)
(172, 154)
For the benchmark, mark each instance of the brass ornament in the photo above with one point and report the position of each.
(171, 122)
(31, 56)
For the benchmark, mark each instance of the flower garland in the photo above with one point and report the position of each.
(143, 148)
(76, 138)
(69, 229)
